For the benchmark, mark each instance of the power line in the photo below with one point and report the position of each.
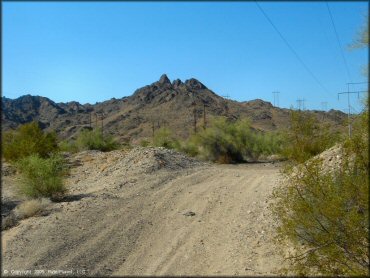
(292, 49)
(338, 41)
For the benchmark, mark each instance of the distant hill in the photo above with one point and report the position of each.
(160, 104)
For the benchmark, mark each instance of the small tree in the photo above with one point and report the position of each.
(26, 140)
(306, 137)
(163, 137)
(42, 177)
(94, 140)
(325, 214)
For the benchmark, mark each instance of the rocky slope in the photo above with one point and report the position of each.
(160, 104)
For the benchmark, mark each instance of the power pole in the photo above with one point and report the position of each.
(299, 103)
(204, 116)
(324, 106)
(194, 115)
(90, 120)
(226, 96)
(349, 106)
(102, 124)
(153, 129)
(276, 98)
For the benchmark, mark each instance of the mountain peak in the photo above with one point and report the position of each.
(164, 79)
(195, 84)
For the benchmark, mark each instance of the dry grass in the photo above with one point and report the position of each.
(31, 208)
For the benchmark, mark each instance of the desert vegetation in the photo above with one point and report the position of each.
(90, 140)
(35, 155)
(322, 212)
(42, 177)
(224, 141)
(28, 139)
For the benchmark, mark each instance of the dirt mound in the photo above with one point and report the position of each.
(149, 160)
(331, 158)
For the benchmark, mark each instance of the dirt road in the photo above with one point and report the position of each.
(198, 220)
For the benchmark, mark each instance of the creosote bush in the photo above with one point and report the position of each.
(28, 139)
(163, 137)
(42, 177)
(95, 140)
(306, 137)
(228, 142)
(325, 214)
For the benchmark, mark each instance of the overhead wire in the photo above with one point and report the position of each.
(292, 49)
(339, 42)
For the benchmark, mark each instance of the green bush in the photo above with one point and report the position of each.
(325, 215)
(163, 138)
(28, 139)
(68, 146)
(94, 140)
(144, 143)
(306, 137)
(228, 142)
(42, 177)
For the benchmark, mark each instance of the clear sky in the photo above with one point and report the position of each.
(94, 51)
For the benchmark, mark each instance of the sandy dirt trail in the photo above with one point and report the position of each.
(207, 220)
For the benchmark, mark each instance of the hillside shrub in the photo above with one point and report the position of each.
(325, 215)
(306, 137)
(42, 177)
(163, 137)
(68, 146)
(95, 140)
(229, 142)
(28, 139)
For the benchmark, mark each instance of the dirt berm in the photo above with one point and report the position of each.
(150, 211)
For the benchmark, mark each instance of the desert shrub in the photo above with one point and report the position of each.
(42, 177)
(325, 214)
(306, 137)
(31, 207)
(68, 146)
(190, 146)
(94, 140)
(144, 143)
(28, 139)
(228, 142)
(163, 137)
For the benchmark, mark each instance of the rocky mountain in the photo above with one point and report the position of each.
(176, 105)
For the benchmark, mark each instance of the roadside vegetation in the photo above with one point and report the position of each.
(90, 140)
(223, 141)
(324, 213)
(28, 139)
(35, 155)
(42, 177)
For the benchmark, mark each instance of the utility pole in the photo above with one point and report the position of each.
(90, 120)
(324, 105)
(226, 96)
(299, 103)
(349, 105)
(204, 116)
(102, 124)
(153, 129)
(195, 116)
(276, 98)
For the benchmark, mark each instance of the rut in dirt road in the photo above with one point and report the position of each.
(196, 220)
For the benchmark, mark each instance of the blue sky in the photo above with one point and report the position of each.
(94, 51)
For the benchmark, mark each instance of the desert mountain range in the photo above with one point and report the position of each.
(162, 103)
